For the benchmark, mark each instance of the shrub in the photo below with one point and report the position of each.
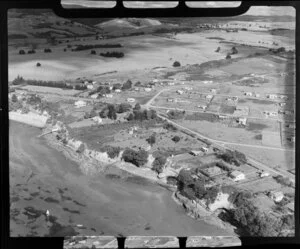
(65, 50)
(47, 50)
(170, 127)
(159, 163)
(19, 80)
(137, 107)
(111, 151)
(176, 64)
(138, 158)
(14, 98)
(22, 51)
(32, 51)
(93, 52)
(228, 56)
(218, 50)
(113, 54)
(176, 139)
(127, 85)
(234, 50)
(38, 64)
(151, 140)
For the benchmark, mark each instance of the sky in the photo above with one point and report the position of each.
(256, 10)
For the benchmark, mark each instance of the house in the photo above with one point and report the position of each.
(108, 95)
(248, 93)
(276, 196)
(213, 90)
(94, 82)
(130, 100)
(282, 104)
(203, 107)
(179, 92)
(222, 116)
(292, 139)
(272, 96)
(97, 119)
(195, 152)
(80, 103)
(207, 82)
(242, 121)
(155, 81)
(147, 89)
(86, 82)
(90, 86)
(237, 175)
(204, 149)
(213, 171)
(257, 95)
(209, 96)
(170, 100)
(171, 83)
(264, 174)
(94, 96)
(118, 90)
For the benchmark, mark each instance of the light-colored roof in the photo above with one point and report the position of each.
(236, 173)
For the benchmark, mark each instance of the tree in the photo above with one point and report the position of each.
(22, 51)
(14, 98)
(228, 56)
(176, 139)
(93, 52)
(19, 80)
(137, 107)
(218, 50)
(138, 158)
(234, 50)
(176, 64)
(123, 107)
(38, 64)
(151, 140)
(65, 50)
(127, 85)
(130, 117)
(159, 163)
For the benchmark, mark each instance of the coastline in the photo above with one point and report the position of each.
(92, 166)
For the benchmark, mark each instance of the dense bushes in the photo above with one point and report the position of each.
(233, 157)
(138, 158)
(18, 81)
(176, 64)
(142, 115)
(151, 140)
(170, 127)
(32, 51)
(91, 46)
(113, 54)
(174, 114)
(127, 85)
(159, 163)
(111, 151)
(93, 52)
(176, 139)
(38, 64)
(285, 181)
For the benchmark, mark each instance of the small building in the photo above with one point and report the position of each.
(209, 96)
(204, 149)
(94, 82)
(213, 90)
(118, 90)
(86, 82)
(237, 176)
(130, 100)
(276, 196)
(242, 121)
(282, 104)
(97, 119)
(292, 139)
(202, 107)
(94, 96)
(272, 96)
(248, 93)
(148, 89)
(108, 95)
(264, 174)
(257, 95)
(195, 152)
(179, 92)
(90, 86)
(207, 82)
(222, 116)
(80, 103)
(170, 100)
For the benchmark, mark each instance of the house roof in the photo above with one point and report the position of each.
(236, 173)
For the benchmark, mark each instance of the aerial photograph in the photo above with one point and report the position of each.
(152, 126)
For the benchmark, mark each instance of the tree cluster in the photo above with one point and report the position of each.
(176, 139)
(138, 158)
(127, 85)
(113, 54)
(141, 115)
(111, 151)
(285, 181)
(20, 80)
(91, 46)
(175, 114)
(33, 99)
(170, 127)
(233, 157)
(159, 163)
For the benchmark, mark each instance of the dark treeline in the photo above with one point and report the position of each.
(91, 46)
(19, 80)
(113, 54)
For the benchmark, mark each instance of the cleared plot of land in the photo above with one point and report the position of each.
(270, 157)
(44, 89)
(270, 138)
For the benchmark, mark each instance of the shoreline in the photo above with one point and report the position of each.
(91, 166)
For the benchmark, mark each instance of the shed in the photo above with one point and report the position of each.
(276, 196)
(80, 103)
(237, 175)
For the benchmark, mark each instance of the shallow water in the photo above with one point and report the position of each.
(101, 205)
